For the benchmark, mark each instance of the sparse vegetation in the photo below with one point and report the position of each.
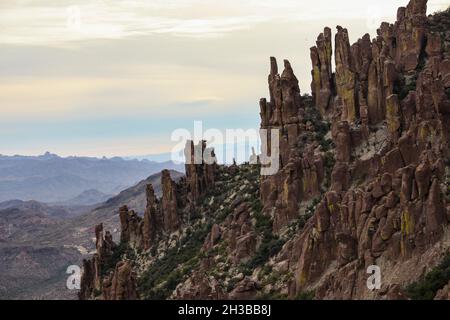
(329, 160)
(160, 279)
(440, 21)
(270, 246)
(305, 295)
(271, 296)
(407, 86)
(427, 287)
(117, 255)
(321, 128)
(163, 276)
(326, 144)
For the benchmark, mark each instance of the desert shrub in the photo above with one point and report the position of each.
(163, 276)
(439, 21)
(231, 284)
(305, 295)
(270, 245)
(97, 292)
(223, 215)
(326, 144)
(312, 207)
(427, 287)
(329, 162)
(271, 296)
(256, 206)
(263, 224)
(303, 219)
(405, 88)
(110, 263)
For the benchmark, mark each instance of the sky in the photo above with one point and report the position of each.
(117, 77)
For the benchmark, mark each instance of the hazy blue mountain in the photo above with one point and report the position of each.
(88, 197)
(50, 178)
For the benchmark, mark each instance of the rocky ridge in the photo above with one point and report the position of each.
(363, 181)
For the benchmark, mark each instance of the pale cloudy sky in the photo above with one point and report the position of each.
(116, 77)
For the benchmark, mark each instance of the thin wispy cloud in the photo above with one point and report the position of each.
(52, 22)
(58, 22)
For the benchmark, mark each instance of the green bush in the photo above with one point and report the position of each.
(326, 144)
(437, 278)
(302, 220)
(97, 292)
(305, 295)
(256, 206)
(110, 264)
(231, 284)
(270, 245)
(263, 224)
(271, 296)
(406, 88)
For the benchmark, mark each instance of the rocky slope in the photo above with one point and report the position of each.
(27, 268)
(363, 181)
(39, 241)
(35, 272)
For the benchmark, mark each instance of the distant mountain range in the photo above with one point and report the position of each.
(72, 180)
(86, 198)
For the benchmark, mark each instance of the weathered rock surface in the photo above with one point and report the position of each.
(91, 280)
(200, 169)
(120, 285)
(393, 209)
(301, 169)
(322, 86)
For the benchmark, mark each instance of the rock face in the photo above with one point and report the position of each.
(385, 206)
(93, 269)
(131, 227)
(169, 203)
(120, 285)
(301, 170)
(153, 219)
(200, 169)
(322, 86)
(162, 217)
(368, 72)
(99, 280)
(345, 76)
